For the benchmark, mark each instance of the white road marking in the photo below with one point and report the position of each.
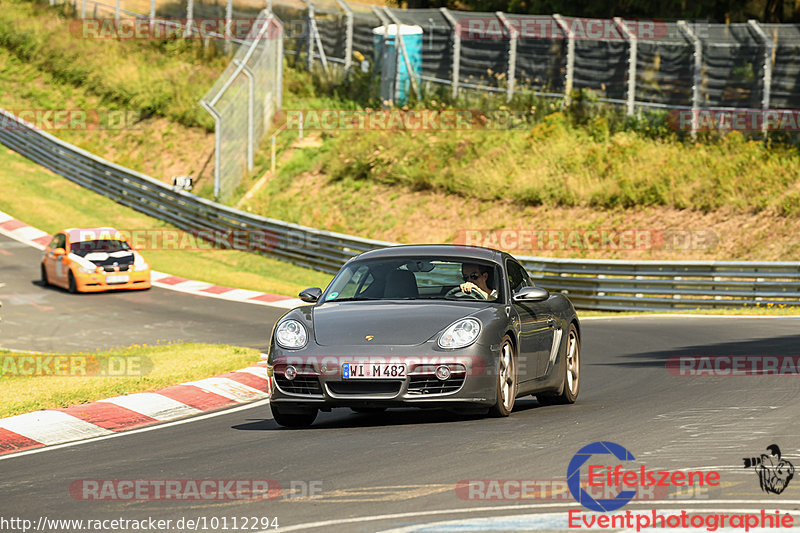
(555, 521)
(260, 403)
(361, 519)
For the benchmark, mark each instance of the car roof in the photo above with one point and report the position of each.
(454, 251)
(88, 234)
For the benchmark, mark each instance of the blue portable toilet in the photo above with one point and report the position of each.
(386, 55)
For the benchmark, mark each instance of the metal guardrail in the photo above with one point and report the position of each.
(590, 284)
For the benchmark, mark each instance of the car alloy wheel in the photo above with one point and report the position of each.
(571, 381)
(506, 379)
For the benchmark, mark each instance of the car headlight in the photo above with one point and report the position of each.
(291, 334)
(88, 270)
(460, 334)
(139, 263)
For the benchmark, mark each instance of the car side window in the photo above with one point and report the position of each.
(517, 277)
(59, 241)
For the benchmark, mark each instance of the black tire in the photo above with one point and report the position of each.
(571, 377)
(45, 281)
(368, 410)
(293, 418)
(73, 287)
(506, 382)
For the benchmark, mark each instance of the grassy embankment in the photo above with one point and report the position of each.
(147, 368)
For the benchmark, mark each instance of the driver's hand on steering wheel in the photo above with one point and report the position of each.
(468, 287)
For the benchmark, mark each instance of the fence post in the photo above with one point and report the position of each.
(697, 71)
(116, 12)
(456, 49)
(152, 9)
(513, 35)
(251, 96)
(217, 144)
(348, 40)
(570, 56)
(315, 37)
(279, 64)
(228, 22)
(633, 45)
(400, 43)
(765, 94)
(189, 18)
(83, 9)
(309, 29)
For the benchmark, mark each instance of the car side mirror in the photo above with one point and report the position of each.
(531, 294)
(311, 295)
(58, 252)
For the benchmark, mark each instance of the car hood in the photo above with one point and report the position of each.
(388, 322)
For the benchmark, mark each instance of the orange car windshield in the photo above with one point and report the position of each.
(100, 245)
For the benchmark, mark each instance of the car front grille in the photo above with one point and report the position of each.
(111, 268)
(365, 387)
(424, 385)
(306, 385)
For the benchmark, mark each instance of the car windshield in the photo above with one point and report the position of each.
(83, 248)
(415, 278)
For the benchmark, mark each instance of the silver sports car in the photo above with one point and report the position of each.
(424, 326)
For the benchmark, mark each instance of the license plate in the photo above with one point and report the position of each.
(119, 278)
(373, 370)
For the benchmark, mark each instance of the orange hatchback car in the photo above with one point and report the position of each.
(93, 260)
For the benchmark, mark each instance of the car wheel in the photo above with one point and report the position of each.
(506, 380)
(293, 418)
(368, 410)
(571, 381)
(45, 281)
(73, 287)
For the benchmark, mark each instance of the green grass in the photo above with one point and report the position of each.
(150, 368)
(165, 78)
(51, 203)
(555, 163)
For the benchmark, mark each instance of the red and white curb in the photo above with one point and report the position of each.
(105, 417)
(112, 415)
(19, 231)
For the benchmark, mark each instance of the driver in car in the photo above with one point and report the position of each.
(476, 278)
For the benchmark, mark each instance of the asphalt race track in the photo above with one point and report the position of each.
(405, 463)
(49, 319)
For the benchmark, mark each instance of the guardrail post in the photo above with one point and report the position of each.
(348, 39)
(189, 18)
(83, 9)
(570, 66)
(399, 42)
(633, 45)
(765, 94)
(152, 9)
(513, 35)
(456, 49)
(116, 12)
(696, 73)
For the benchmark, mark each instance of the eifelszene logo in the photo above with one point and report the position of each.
(624, 482)
(773, 472)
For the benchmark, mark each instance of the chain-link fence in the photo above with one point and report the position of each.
(683, 66)
(244, 100)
